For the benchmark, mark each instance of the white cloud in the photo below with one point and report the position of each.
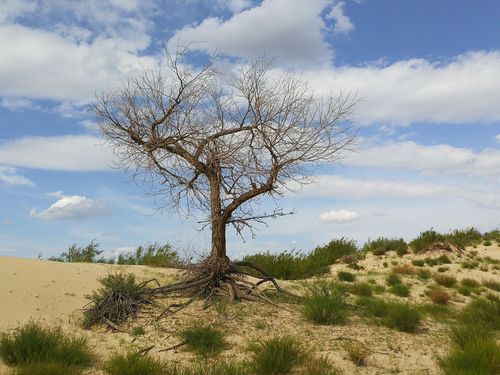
(434, 158)
(70, 207)
(289, 29)
(462, 90)
(10, 9)
(18, 104)
(65, 153)
(497, 138)
(10, 176)
(340, 216)
(235, 6)
(342, 23)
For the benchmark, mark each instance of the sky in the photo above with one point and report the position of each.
(426, 73)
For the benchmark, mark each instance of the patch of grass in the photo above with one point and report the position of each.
(443, 259)
(424, 274)
(319, 365)
(440, 313)
(463, 333)
(438, 295)
(464, 290)
(38, 368)
(494, 235)
(276, 356)
(33, 343)
(138, 331)
(136, 364)
(462, 238)
(361, 289)
(400, 290)
(405, 269)
(346, 276)
(470, 265)
(403, 317)
(480, 357)
(492, 284)
(294, 266)
(445, 280)
(471, 283)
(425, 239)
(418, 262)
(443, 269)
(393, 279)
(204, 339)
(326, 305)
(483, 311)
(382, 245)
(357, 353)
(152, 254)
(375, 307)
(215, 368)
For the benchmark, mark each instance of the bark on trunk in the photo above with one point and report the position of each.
(218, 222)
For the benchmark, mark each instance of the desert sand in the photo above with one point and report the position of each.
(53, 293)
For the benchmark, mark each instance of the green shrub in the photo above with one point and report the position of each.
(204, 340)
(400, 290)
(393, 279)
(431, 262)
(373, 307)
(463, 333)
(403, 317)
(346, 276)
(476, 357)
(445, 280)
(135, 364)
(443, 269)
(151, 255)
(418, 262)
(471, 283)
(462, 238)
(325, 305)
(443, 259)
(293, 266)
(34, 343)
(470, 264)
(37, 368)
(487, 243)
(361, 289)
(405, 269)
(425, 239)
(275, 356)
(465, 290)
(492, 284)
(215, 368)
(438, 312)
(382, 245)
(80, 254)
(483, 311)
(424, 274)
(494, 235)
(119, 297)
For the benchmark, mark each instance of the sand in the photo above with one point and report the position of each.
(53, 293)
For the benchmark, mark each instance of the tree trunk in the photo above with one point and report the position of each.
(218, 222)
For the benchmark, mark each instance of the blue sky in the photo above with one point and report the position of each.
(427, 74)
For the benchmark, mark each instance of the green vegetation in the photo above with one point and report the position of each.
(361, 289)
(462, 238)
(445, 280)
(482, 311)
(403, 317)
(346, 276)
(373, 307)
(204, 340)
(135, 364)
(382, 245)
(418, 262)
(325, 304)
(492, 284)
(393, 279)
(319, 365)
(151, 255)
(37, 368)
(294, 266)
(472, 264)
(405, 269)
(81, 254)
(424, 274)
(276, 356)
(400, 290)
(471, 283)
(47, 347)
(425, 239)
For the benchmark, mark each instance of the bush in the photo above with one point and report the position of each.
(357, 353)
(325, 305)
(494, 235)
(400, 290)
(278, 355)
(470, 265)
(425, 239)
(439, 296)
(471, 283)
(361, 289)
(119, 297)
(135, 364)
(443, 259)
(375, 307)
(204, 340)
(424, 274)
(482, 311)
(492, 284)
(346, 276)
(32, 343)
(151, 255)
(418, 262)
(405, 269)
(476, 357)
(80, 254)
(465, 290)
(293, 266)
(462, 238)
(382, 245)
(393, 279)
(463, 333)
(403, 317)
(445, 280)
(214, 368)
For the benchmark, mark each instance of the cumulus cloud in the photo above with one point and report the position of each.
(70, 207)
(459, 91)
(10, 176)
(235, 6)
(340, 216)
(342, 23)
(289, 29)
(18, 104)
(64, 153)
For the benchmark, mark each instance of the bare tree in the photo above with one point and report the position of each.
(219, 142)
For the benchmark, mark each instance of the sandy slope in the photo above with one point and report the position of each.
(52, 292)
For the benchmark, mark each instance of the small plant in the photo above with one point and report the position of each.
(443, 259)
(382, 245)
(346, 276)
(80, 254)
(325, 305)
(376, 307)
(278, 355)
(152, 254)
(443, 269)
(361, 289)
(418, 262)
(470, 264)
(135, 364)
(357, 353)
(405, 269)
(492, 284)
(403, 317)
(385, 264)
(319, 365)
(431, 262)
(476, 357)
(471, 283)
(465, 290)
(204, 340)
(462, 238)
(487, 243)
(37, 368)
(424, 274)
(445, 280)
(425, 240)
(482, 311)
(393, 279)
(400, 290)
(33, 343)
(439, 296)
(138, 331)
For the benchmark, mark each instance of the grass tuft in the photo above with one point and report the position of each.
(382, 245)
(439, 296)
(204, 340)
(400, 290)
(492, 284)
(361, 289)
(445, 280)
(357, 353)
(403, 317)
(276, 356)
(326, 305)
(393, 279)
(346, 276)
